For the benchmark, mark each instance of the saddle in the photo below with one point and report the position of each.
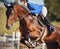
(38, 18)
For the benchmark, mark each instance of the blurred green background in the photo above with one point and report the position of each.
(53, 7)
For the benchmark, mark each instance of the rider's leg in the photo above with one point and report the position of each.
(46, 21)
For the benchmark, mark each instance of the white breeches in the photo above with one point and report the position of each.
(44, 11)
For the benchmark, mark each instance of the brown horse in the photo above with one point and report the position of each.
(29, 25)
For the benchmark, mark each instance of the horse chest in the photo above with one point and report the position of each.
(32, 24)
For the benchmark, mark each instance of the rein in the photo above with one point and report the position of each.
(14, 15)
(24, 16)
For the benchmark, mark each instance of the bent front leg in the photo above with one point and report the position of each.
(50, 38)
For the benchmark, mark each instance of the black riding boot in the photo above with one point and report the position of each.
(47, 23)
(50, 26)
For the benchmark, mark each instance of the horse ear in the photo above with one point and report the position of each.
(11, 6)
(5, 5)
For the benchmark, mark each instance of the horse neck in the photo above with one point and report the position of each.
(21, 11)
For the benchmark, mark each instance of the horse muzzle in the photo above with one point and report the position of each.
(8, 26)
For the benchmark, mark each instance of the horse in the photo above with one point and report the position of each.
(29, 25)
(33, 29)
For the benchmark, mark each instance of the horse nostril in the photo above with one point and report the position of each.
(8, 27)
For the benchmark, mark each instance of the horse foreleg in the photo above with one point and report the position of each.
(50, 38)
(29, 41)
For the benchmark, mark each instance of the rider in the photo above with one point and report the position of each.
(37, 7)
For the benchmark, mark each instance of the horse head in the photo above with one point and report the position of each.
(11, 16)
(13, 13)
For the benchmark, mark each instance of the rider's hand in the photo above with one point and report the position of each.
(36, 14)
